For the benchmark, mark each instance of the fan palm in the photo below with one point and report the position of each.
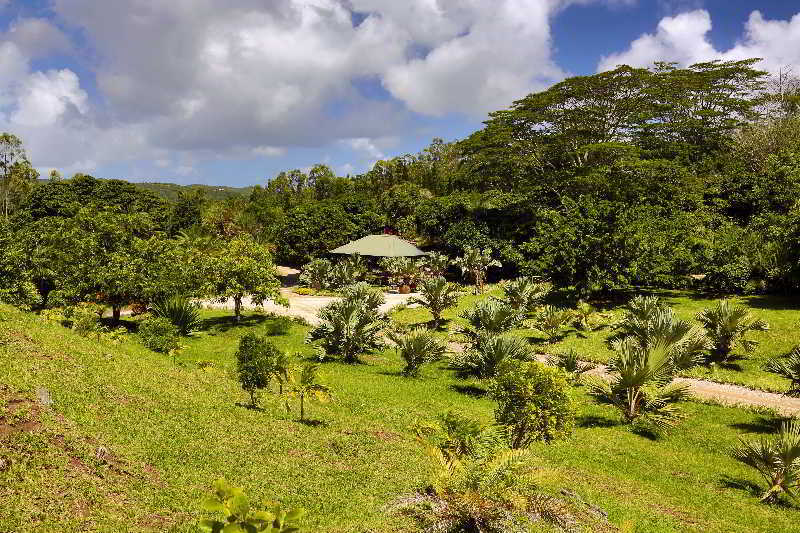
(584, 313)
(776, 458)
(316, 274)
(568, 361)
(475, 263)
(348, 271)
(488, 352)
(417, 348)
(490, 316)
(347, 328)
(727, 326)
(524, 294)
(650, 324)
(642, 387)
(551, 320)
(180, 311)
(788, 368)
(308, 387)
(370, 297)
(437, 295)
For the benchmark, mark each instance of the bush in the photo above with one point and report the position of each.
(158, 334)
(417, 348)
(84, 319)
(777, 459)
(533, 402)
(348, 327)
(488, 352)
(180, 311)
(256, 361)
(278, 325)
(568, 362)
(239, 515)
(490, 317)
(316, 274)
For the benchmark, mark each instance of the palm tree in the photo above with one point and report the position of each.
(551, 320)
(788, 368)
(776, 458)
(348, 328)
(727, 326)
(524, 294)
(281, 370)
(490, 316)
(642, 387)
(437, 295)
(308, 387)
(475, 263)
(417, 348)
(568, 361)
(488, 352)
(651, 324)
(584, 313)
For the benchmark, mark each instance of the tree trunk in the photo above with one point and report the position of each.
(302, 406)
(237, 308)
(116, 310)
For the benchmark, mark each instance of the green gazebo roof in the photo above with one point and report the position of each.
(380, 246)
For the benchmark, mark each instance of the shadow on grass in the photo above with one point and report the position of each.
(774, 303)
(224, 323)
(745, 485)
(470, 390)
(593, 421)
(313, 422)
(250, 406)
(764, 424)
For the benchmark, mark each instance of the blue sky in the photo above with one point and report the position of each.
(194, 91)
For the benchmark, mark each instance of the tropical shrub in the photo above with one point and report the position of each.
(240, 516)
(437, 295)
(490, 317)
(348, 328)
(777, 459)
(307, 386)
(84, 319)
(524, 294)
(417, 348)
(533, 402)
(436, 264)
(457, 437)
(568, 362)
(585, 316)
(158, 334)
(651, 324)
(788, 367)
(347, 271)
(475, 263)
(316, 274)
(488, 352)
(372, 298)
(180, 311)
(401, 270)
(551, 321)
(642, 386)
(278, 325)
(255, 364)
(727, 326)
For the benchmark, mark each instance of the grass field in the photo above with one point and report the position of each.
(782, 314)
(169, 430)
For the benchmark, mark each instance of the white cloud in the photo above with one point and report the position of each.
(365, 146)
(269, 151)
(684, 39)
(46, 96)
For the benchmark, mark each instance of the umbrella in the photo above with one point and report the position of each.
(380, 246)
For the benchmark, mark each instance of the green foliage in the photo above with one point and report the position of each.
(551, 320)
(307, 386)
(569, 362)
(401, 270)
(585, 315)
(436, 264)
(652, 325)
(437, 295)
(524, 294)
(777, 459)
(490, 317)
(418, 347)
(533, 402)
(316, 274)
(788, 367)
(241, 267)
(181, 311)
(240, 517)
(484, 358)
(157, 334)
(255, 364)
(475, 262)
(458, 437)
(278, 325)
(351, 326)
(347, 271)
(727, 326)
(641, 386)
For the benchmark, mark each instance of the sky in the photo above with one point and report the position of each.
(233, 92)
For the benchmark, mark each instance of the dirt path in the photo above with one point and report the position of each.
(306, 307)
(723, 393)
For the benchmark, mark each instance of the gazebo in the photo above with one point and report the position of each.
(380, 246)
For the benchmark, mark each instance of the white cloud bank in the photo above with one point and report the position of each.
(684, 39)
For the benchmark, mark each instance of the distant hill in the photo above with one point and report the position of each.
(170, 191)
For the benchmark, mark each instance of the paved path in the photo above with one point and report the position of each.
(302, 306)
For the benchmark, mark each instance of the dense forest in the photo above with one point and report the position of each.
(661, 177)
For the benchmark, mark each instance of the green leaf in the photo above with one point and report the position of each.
(212, 505)
(240, 505)
(233, 528)
(295, 514)
(209, 526)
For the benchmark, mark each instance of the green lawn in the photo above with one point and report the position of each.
(782, 314)
(170, 430)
